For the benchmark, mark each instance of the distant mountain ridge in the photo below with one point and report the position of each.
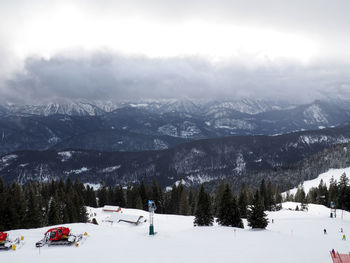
(233, 158)
(83, 107)
(154, 125)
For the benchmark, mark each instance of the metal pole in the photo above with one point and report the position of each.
(151, 207)
(151, 227)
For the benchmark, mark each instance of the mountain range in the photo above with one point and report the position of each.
(155, 125)
(194, 141)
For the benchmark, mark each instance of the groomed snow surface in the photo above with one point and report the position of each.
(295, 236)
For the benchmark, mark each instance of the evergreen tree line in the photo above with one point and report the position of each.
(179, 200)
(230, 209)
(336, 192)
(41, 204)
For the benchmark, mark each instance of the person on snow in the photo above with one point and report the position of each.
(344, 237)
(324, 231)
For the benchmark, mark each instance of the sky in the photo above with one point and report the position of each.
(112, 49)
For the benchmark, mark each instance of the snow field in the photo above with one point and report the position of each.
(335, 173)
(295, 236)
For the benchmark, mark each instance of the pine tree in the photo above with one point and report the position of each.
(119, 196)
(270, 202)
(15, 207)
(44, 203)
(102, 196)
(82, 212)
(33, 215)
(278, 198)
(79, 187)
(138, 202)
(300, 194)
(157, 197)
(90, 197)
(72, 210)
(2, 203)
(53, 215)
(110, 196)
(322, 193)
(225, 212)
(228, 214)
(243, 201)
(167, 203)
(263, 194)
(10, 216)
(61, 201)
(333, 191)
(289, 196)
(143, 195)
(203, 214)
(237, 220)
(218, 197)
(66, 218)
(343, 192)
(184, 207)
(174, 200)
(312, 195)
(256, 216)
(191, 201)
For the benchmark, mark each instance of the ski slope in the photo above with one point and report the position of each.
(335, 173)
(295, 236)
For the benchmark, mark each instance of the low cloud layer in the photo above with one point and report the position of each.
(115, 77)
(274, 49)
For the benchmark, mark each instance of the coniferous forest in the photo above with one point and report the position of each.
(42, 204)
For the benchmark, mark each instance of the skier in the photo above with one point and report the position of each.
(344, 237)
(272, 221)
(324, 231)
(341, 230)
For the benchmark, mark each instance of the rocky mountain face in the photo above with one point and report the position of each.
(234, 158)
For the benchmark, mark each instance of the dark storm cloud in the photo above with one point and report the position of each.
(116, 77)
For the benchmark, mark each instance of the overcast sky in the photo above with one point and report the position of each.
(296, 50)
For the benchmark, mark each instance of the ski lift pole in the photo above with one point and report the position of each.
(151, 208)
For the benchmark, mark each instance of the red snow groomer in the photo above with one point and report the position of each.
(61, 236)
(6, 243)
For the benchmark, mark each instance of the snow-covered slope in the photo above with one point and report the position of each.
(335, 173)
(295, 236)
